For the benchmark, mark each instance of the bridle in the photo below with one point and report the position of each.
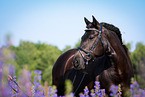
(87, 57)
(87, 53)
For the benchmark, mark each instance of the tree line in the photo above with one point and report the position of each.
(42, 56)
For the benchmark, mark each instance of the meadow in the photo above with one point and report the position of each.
(23, 85)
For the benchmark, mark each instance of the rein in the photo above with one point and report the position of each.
(87, 54)
(80, 81)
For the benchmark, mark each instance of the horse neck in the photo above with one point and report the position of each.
(118, 54)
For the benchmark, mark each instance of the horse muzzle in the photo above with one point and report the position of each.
(78, 63)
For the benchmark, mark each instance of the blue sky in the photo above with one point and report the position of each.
(61, 22)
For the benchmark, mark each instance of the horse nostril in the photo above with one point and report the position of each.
(76, 63)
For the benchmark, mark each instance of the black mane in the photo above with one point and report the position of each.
(113, 28)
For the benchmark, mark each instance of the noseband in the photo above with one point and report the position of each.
(89, 54)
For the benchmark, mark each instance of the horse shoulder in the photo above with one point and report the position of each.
(59, 66)
(68, 64)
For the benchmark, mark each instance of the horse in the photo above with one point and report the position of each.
(64, 69)
(101, 56)
(100, 39)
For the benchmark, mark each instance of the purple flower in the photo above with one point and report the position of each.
(97, 85)
(97, 88)
(11, 70)
(52, 92)
(1, 73)
(14, 77)
(92, 94)
(86, 91)
(114, 90)
(39, 77)
(82, 95)
(1, 70)
(136, 91)
(50, 89)
(37, 90)
(102, 92)
(38, 72)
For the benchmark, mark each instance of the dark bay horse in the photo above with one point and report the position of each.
(101, 56)
(64, 69)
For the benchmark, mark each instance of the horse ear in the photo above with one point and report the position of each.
(87, 21)
(95, 22)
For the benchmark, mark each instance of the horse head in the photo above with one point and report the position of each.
(93, 44)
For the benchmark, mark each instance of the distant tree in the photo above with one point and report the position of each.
(47, 55)
(138, 61)
(25, 54)
(128, 45)
(68, 47)
(36, 56)
(47, 76)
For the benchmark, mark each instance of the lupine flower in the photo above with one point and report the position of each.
(97, 88)
(136, 91)
(24, 82)
(11, 70)
(92, 93)
(86, 92)
(82, 95)
(37, 86)
(1, 71)
(38, 72)
(114, 90)
(102, 92)
(52, 92)
(98, 92)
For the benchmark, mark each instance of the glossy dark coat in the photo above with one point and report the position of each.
(115, 53)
